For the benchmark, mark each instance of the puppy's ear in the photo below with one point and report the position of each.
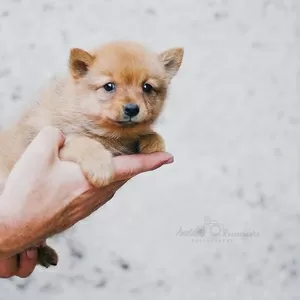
(172, 60)
(79, 62)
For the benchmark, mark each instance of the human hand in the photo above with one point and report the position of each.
(20, 265)
(55, 195)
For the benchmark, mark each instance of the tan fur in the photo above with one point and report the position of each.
(151, 143)
(90, 117)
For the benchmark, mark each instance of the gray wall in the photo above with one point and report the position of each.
(232, 122)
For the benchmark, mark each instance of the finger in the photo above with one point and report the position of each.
(40, 153)
(27, 264)
(128, 166)
(48, 141)
(50, 137)
(8, 267)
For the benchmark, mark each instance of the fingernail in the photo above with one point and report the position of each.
(170, 160)
(31, 253)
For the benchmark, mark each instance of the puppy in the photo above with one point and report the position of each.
(105, 106)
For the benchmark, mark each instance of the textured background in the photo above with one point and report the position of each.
(232, 122)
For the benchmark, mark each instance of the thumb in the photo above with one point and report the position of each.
(40, 153)
(128, 166)
(46, 144)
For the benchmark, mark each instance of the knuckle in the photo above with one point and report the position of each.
(7, 273)
(25, 273)
(111, 196)
(6, 270)
(50, 130)
(22, 275)
(26, 268)
(154, 167)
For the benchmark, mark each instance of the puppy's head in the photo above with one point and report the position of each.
(123, 84)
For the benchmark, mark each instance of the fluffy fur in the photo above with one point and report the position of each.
(88, 106)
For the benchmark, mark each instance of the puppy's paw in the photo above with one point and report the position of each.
(47, 256)
(151, 143)
(98, 168)
(95, 161)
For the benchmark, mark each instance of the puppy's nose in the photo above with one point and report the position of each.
(131, 109)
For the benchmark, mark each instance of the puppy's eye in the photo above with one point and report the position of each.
(109, 87)
(147, 88)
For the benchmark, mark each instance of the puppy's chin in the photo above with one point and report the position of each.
(124, 123)
(120, 128)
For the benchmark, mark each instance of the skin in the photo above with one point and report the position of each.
(54, 196)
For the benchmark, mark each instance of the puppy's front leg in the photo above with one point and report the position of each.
(151, 143)
(95, 161)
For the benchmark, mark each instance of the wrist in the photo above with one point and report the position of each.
(15, 234)
(8, 229)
